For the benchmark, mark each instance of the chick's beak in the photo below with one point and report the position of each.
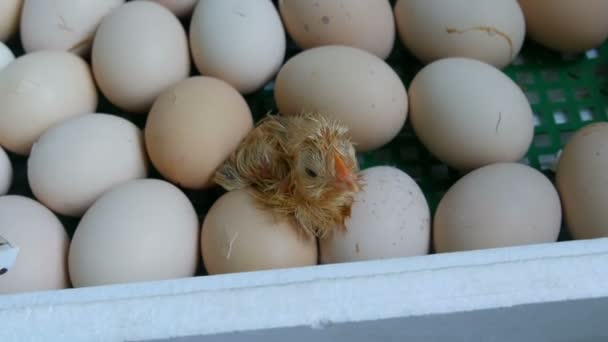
(344, 176)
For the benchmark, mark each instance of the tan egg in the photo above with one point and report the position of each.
(240, 236)
(469, 114)
(389, 219)
(62, 24)
(364, 24)
(140, 50)
(499, 205)
(567, 26)
(75, 162)
(239, 60)
(43, 246)
(142, 230)
(6, 172)
(181, 8)
(10, 14)
(490, 31)
(352, 85)
(39, 90)
(193, 127)
(582, 182)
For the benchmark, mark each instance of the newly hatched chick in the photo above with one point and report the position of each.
(303, 167)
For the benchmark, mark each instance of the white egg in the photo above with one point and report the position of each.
(6, 55)
(6, 172)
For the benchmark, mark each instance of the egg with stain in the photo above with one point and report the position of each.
(364, 24)
(10, 15)
(469, 114)
(389, 219)
(490, 31)
(240, 236)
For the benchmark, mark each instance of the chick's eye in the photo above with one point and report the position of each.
(310, 172)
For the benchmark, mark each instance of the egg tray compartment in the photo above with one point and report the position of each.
(566, 92)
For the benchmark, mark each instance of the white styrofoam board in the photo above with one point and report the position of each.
(558, 291)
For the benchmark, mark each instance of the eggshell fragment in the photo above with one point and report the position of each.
(139, 51)
(389, 219)
(10, 14)
(352, 85)
(6, 55)
(43, 246)
(142, 230)
(240, 60)
(582, 182)
(469, 114)
(193, 127)
(364, 24)
(76, 161)
(39, 90)
(565, 25)
(240, 236)
(490, 31)
(499, 205)
(6, 172)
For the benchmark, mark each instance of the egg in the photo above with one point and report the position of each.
(62, 24)
(390, 218)
(10, 14)
(498, 205)
(193, 127)
(240, 60)
(567, 26)
(142, 230)
(469, 114)
(76, 161)
(351, 85)
(139, 50)
(180, 8)
(6, 172)
(39, 90)
(364, 24)
(41, 264)
(240, 236)
(490, 31)
(582, 181)
(6, 55)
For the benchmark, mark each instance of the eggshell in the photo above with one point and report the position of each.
(470, 114)
(6, 172)
(39, 90)
(139, 50)
(255, 50)
(567, 26)
(43, 245)
(142, 230)
(193, 127)
(10, 14)
(364, 24)
(389, 219)
(6, 55)
(62, 24)
(499, 205)
(582, 182)
(75, 162)
(349, 84)
(180, 8)
(489, 31)
(240, 236)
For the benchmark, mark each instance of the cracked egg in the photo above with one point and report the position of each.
(489, 31)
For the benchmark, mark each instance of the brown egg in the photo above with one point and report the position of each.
(364, 24)
(499, 205)
(39, 90)
(43, 246)
(140, 50)
(239, 236)
(10, 15)
(582, 182)
(193, 127)
(566, 25)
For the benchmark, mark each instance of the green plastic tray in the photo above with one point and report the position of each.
(566, 93)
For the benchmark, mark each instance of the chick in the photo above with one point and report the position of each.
(303, 167)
